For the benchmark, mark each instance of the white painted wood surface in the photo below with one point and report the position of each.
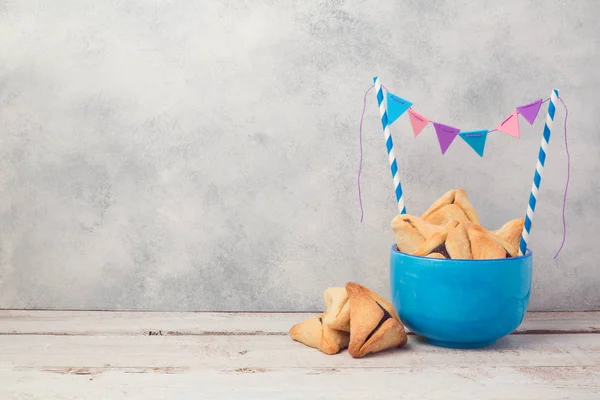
(191, 323)
(119, 355)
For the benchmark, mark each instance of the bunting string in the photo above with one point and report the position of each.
(397, 106)
(361, 153)
(564, 221)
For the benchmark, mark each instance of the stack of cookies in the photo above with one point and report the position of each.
(451, 229)
(355, 318)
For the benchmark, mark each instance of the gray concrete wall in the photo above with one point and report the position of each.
(202, 155)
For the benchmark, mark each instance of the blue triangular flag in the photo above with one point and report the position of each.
(396, 106)
(475, 139)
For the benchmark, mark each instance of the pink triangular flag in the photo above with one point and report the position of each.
(417, 121)
(530, 111)
(510, 125)
(446, 135)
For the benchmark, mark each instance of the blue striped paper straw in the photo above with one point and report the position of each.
(539, 172)
(389, 144)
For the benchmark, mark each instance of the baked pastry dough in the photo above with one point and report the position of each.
(453, 204)
(313, 333)
(511, 232)
(436, 243)
(510, 250)
(410, 232)
(465, 241)
(374, 325)
(435, 255)
(337, 313)
(457, 243)
(451, 229)
(483, 246)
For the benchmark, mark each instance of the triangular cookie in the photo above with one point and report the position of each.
(374, 325)
(483, 247)
(406, 236)
(447, 213)
(453, 204)
(382, 302)
(462, 200)
(511, 250)
(444, 200)
(410, 232)
(425, 229)
(511, 232)
(436, 242)
(337, 314)
(313, 333)
(457, 243)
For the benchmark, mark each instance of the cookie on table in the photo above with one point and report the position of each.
(337, 313)
(313, 333)
(374, 324)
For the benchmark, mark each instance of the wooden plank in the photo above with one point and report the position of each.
(160, 323)
(145, 323)
(419, 382)
(556, 322)
(90, 355)
(280, 352)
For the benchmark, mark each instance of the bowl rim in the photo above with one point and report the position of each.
(395, 250)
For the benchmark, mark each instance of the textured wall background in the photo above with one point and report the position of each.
(202, 155)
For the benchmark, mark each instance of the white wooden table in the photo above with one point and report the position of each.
(135, 355)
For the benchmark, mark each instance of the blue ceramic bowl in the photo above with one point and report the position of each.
(460, 303)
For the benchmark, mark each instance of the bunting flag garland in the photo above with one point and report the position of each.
(446, 135)
(418, 121)
(396, 106)
(475, 139)
(530, 111)
(510, 125)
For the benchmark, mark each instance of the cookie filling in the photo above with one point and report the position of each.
(442, 250)
(386, 316)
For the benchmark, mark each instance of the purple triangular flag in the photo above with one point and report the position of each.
(446, 135)
(530, 111)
